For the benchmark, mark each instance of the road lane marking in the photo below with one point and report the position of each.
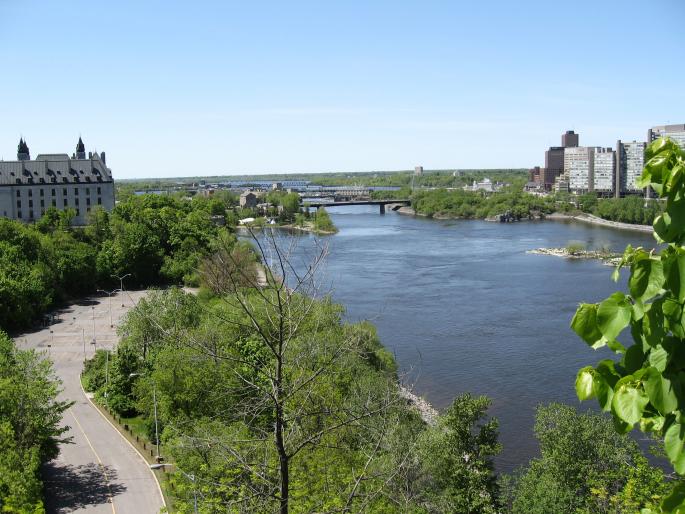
(104, 470)
(147, 465)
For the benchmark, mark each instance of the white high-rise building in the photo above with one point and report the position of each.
(604, 165)
(578, 167)
(630, 160)
(675, 132)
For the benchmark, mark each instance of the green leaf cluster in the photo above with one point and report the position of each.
(645, 385)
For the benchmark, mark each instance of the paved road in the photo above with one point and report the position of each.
(100, 472)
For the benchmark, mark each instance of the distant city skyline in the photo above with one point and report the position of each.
(222, 88)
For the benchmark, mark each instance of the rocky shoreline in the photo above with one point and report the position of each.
(428, 413)
(306, 229)
(594, 220)
(608, 258)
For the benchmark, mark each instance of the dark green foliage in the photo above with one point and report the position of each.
(467, 204)
(155, 239)
(322, 221)
(457, 456)
(584, 467)
(29, 425)
(632, 209)
(95, 371)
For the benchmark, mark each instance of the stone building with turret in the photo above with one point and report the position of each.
(29, 187)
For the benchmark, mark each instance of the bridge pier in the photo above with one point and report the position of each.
(382, 206)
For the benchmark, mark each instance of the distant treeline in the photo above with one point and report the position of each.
(429, 178)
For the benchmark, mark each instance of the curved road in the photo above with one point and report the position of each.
(100, 472)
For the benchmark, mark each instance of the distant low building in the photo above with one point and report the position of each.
(484, 185)
(418, 170)
(535, 174)
(248, 200)
(29, 187)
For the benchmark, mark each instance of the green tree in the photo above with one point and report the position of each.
(30, 430)
(457, 455)
(584, 467)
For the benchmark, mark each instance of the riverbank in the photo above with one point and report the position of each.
(555, 216)
(595, 220)
(608, 258)
(307, 228)
(289, 226)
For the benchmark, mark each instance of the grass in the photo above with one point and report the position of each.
(575, 247)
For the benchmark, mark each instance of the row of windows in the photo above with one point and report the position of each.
(54, 202)
(53, 180)
(64, 191)
(42, 211)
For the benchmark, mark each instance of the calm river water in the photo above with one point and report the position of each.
(464, 308)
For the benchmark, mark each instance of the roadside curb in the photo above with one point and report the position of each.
(142, 457)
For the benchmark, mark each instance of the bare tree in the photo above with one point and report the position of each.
(283, 383)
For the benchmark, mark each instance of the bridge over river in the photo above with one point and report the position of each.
(380, 203)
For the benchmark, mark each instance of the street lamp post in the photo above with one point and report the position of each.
(154, 401)
(121, 284)
(191, 477)
(107, 374)
(109, 293)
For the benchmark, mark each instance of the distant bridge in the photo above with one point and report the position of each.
(380, 203)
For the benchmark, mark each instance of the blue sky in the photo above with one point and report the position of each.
(199, 88)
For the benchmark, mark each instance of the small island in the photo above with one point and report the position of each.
(576, 250)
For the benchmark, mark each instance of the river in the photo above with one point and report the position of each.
(464, 308)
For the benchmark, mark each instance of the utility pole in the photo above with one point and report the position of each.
(107, 374)
(154, 401)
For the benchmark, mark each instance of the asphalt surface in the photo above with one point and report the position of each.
(99, 472)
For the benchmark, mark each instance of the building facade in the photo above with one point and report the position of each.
(554, 160)
(630, 160)
(248, 200)
(578, 168)
(569, 139)
(603, 170)
(554, 166)
(675, 132)
(29, 187)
